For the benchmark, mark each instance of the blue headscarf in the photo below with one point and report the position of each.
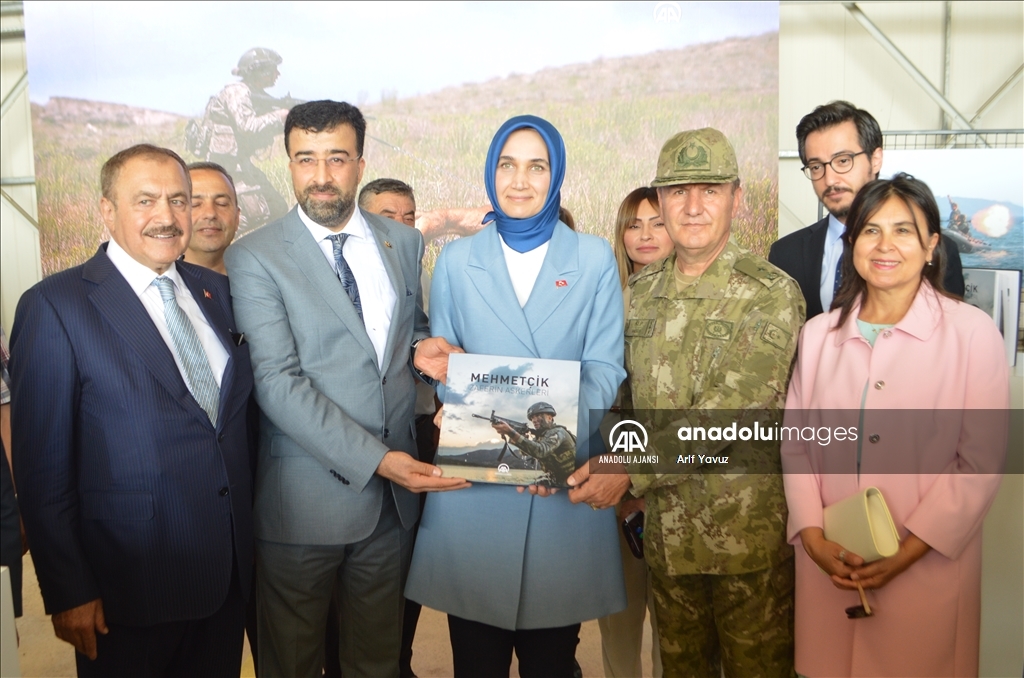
(523, 235)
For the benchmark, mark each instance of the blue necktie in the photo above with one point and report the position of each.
(348, 280)
(839, 276)
(189, 351)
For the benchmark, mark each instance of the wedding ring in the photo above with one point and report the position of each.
(592, 506)
(842, 556)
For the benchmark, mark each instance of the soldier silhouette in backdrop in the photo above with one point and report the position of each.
(240, 122)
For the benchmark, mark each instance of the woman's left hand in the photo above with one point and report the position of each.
(879, 573)
(431, 357)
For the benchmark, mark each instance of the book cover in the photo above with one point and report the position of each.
(510, 421)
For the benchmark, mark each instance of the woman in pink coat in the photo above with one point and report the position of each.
(923, 381)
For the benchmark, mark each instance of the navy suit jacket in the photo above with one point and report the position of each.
(127, 491)
(800, 255)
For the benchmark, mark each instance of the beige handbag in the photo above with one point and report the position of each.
(861, 524)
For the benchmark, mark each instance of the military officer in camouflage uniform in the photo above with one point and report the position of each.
(713, 328)
(554, 447)
(244, 119)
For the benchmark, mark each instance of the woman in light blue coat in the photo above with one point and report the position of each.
(519, 570)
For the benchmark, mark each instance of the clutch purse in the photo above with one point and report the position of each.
(862, 525)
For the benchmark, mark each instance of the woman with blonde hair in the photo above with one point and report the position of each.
(640, 235)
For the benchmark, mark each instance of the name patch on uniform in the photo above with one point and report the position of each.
(718, 329)
(640, 327)
(776, 336)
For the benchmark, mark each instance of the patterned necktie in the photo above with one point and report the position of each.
(839, 275)
(348, 280)
(190, 351)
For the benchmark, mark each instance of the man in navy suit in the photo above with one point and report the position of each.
(841, 148)
(130, 443)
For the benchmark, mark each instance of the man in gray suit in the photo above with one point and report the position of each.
(329, 299)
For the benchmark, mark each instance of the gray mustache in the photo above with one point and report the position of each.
(164, 230)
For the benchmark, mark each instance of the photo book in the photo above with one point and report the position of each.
(509, 420)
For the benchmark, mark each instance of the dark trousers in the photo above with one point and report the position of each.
(296, 584)
(426, 447)
(10, 531)
(484, 651)
(251, 628)
(201, 647)
(427, 436)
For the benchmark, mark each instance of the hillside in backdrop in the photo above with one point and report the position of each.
(614, 115)
(740, 64)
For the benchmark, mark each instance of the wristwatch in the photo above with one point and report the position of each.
(423, 375)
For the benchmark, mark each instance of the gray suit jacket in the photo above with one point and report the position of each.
(329, 413)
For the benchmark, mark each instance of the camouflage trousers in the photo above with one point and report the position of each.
(734, 625)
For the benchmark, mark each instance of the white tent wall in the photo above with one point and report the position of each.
(825, 53)
(19, 237)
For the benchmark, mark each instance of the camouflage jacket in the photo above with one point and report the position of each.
(555, 449)
(237, 129)
(725, 343)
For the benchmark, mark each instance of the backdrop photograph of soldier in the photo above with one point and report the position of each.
(223, 96)
(358, 395)
(240, 123)
(980, 194)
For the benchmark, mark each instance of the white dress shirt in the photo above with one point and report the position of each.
(523, 268)
(831, 256)
(140, 277)
(376, 293)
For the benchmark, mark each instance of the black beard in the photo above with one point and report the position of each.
(327, 213)
(842, 212)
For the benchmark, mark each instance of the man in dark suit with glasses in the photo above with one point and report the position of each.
(841, 148)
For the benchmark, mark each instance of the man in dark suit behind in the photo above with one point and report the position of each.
(130, 446)
(841, 148)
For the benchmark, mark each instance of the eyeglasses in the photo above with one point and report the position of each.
(333, 162)
(841, 164)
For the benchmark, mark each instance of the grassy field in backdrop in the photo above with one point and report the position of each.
(614, 115)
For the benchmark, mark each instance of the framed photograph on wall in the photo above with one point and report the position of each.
(997, 293)
(980, 194)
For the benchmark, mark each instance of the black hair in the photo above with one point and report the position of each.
(913, 193)
(323, 116)
(833, 113)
